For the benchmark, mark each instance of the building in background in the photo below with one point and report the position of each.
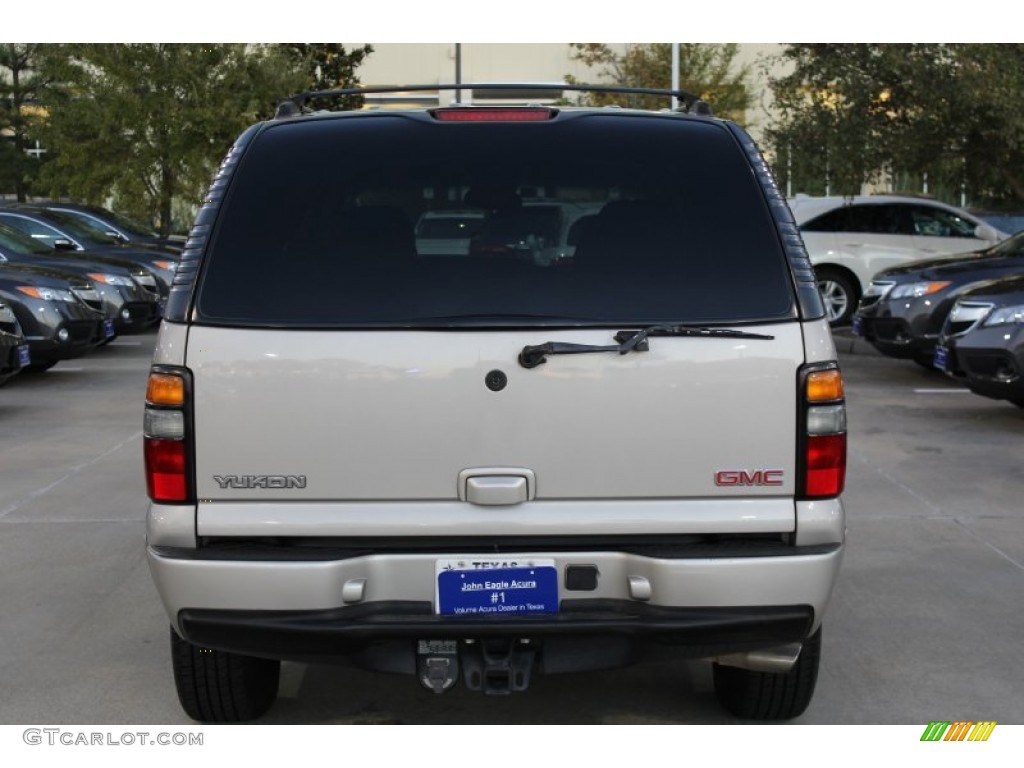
(430, 63)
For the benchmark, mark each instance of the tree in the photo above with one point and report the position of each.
(148, 123)
(21, 88)
(706, 70)
(953, 112)
(327, 66)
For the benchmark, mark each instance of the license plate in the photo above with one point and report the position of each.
(23, 355)
(108, 329)
(941, 360)
(491, 586)
(857, 326)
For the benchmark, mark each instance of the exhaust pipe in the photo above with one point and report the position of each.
(777, 660)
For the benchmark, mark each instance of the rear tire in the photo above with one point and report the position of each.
(839, 294)
(754, 695)
(221, 687)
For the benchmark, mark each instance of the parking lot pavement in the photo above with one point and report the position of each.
(923, 624)
(848, 344)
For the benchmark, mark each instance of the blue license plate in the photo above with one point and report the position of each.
(23, 355)
(857, 326)
(108, 329)
(488, 586)
(941, 360)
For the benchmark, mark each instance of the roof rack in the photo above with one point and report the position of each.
(688, 102)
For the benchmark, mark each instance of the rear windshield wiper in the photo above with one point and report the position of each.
(628, 341)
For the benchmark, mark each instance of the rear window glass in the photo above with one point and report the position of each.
(398, 221)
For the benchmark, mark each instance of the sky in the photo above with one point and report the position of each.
(481, 21)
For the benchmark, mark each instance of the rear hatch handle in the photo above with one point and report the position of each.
(628, 341)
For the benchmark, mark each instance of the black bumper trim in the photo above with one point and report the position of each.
(320, 550)
(326, 635)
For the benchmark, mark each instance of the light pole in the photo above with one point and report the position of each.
(458, 72)
(675, 74)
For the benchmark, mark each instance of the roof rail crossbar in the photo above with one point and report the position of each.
(689, 102)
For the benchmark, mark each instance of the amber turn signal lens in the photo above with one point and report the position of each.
(165, 389)
(823, 386)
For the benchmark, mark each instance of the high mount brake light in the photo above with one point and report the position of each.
(493, 114)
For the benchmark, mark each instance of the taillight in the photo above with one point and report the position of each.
(165, 435)
(823, 440)
(493, 114)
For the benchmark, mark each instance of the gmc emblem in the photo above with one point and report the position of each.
(743, 477)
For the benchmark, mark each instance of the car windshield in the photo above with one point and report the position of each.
(128, 225)
(18, 242)
(591, 220)
(1013, 246)
(80, 229)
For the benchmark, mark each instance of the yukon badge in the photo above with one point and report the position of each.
(728, 477)
(260, 481)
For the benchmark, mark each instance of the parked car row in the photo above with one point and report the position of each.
(961, 314)
(850, 239)
(65, 290)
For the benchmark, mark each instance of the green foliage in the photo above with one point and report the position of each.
(148, 123)
(21, 88)
(952, 111)
(706, 70)
(328, 66)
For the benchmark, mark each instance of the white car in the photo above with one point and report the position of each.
(850, 239)
(447, 233)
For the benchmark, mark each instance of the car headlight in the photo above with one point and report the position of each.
(46, 294)
(914, 290)
(111, 279)
(1006, 316)
(165, 265)
(878, 288)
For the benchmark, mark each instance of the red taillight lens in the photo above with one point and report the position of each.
(165, 470)
(493, 114)
(825, 475)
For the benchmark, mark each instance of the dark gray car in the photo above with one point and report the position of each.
(51, 308)
(14, 351)
(132, 308)
(982, 342)
(65, 232)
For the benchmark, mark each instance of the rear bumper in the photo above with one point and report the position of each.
(328, 608)
(325, 635)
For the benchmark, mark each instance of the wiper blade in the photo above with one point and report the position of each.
(628, 341)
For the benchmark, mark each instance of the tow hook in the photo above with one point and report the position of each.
(437, 664)
(498, 667)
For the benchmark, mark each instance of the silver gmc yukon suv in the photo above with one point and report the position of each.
(518, 457)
